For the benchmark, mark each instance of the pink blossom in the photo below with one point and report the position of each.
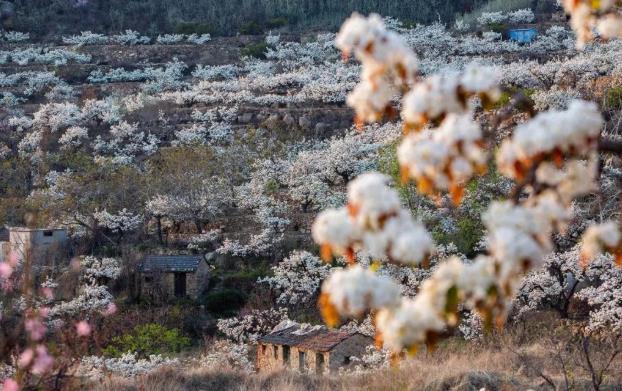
(36, 329)
(111, 309)
(48, 293)
(25, 358)
(43, 312)
(83, 328)
(13, 258)
(74, 265)
(10, 385)
(6, 270)
(43, 362)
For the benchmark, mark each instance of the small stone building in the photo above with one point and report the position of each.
(46, 247)
(312, 349)
(166, 276)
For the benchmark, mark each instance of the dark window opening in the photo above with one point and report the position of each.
(276, 351)
(148, 279)
(180, 284)
(346, 360)
(319, 363)
(286, 355)
(301, 361)
(48, 233)
(263, 349)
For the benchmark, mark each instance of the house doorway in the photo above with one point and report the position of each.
(319, 363)
(180, 284)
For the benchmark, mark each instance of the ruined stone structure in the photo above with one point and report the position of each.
(309, 349)
(45, 247)
(164, 276)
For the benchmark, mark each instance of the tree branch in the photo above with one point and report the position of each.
(610, 146)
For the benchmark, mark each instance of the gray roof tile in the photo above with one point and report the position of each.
(171, 263)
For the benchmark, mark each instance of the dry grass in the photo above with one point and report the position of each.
(526, 357)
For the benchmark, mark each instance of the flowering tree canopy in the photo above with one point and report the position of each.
(551, 158)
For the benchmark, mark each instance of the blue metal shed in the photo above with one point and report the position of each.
(523, 35)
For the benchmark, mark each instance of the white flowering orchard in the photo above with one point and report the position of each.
(551, 157)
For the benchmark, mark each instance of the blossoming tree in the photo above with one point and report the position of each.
(552, 158)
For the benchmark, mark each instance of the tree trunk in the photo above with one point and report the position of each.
(159, 224)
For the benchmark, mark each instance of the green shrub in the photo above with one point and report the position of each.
(613, 98)
(468, 232)
(257, 50)
(498, 28)
(506, 96)
(251, 28)
(224, 301)
(193, 28)
(277, 22)
(148, 339)
(387, 164)
(272, 186)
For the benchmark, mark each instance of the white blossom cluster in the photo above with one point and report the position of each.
(227, 355)
(33, 82)
(93, 295)
(38, 55)
(156, 80)
(258, 244)
(354, 291)
(130, 37)
(93, 269)
(519, 234)
(384, 55)
(73, 137)
(440, 95)
(171, 39)
(297, 278)
(128, 365)
(373, 220)
(588, 16)
(252, 326)
(124, 144)
(313, 174)
(372, 360)
(86, 38)
(600, 238)
(122, 221)
(203, 202)
(445, 158)
(552, 134)
(524, 15)
(604, 298)
(216, 72)
(16, 36)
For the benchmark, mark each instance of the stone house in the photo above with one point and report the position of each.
(309, 349)
(46, 247)
(165, 276)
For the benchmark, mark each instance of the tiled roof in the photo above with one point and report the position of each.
(319, 339)
(171, 263)
(325, 341)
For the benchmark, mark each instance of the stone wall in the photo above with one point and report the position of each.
(161, 286)
(271, 357)
(5, 249)
(46, 248)
(353, 346)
